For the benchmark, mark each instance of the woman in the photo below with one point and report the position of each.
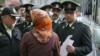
(40, 41)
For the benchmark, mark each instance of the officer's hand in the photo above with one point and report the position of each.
(70, 49)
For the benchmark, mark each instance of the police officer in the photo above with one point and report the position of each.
(56, 9)
(9, 35)
(79, 32)
(21, 11)
(27, 22)
(47, 8)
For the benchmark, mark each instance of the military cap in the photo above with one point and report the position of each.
(56, 5)
(46, 7)
(70, 6)
(9, 11)
(18, 7)
(28, 7)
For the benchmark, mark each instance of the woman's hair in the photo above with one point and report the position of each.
(42, 22)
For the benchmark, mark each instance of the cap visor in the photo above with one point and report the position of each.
(16, 15)
(57, 8)
(69, 11)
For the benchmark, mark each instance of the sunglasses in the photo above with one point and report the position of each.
(13, 17)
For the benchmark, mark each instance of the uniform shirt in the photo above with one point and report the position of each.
(70, 25)
(57, 21)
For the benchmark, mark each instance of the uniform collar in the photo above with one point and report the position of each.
(56, 20)
(71, 24)
(7, 27)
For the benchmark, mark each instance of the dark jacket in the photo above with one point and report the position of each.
(56, 24)
(28, 28)
(9, 46)
(81, 36)
(23, 26)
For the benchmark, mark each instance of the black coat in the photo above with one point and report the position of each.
(81, 36)
(9, 46)
(23, 26)
(27, 28)
(55, 25)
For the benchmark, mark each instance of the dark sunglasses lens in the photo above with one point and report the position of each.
(13, 17)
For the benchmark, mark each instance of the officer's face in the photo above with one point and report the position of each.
(21, 11)
(70, 16)
(9, 20)
(56, 13)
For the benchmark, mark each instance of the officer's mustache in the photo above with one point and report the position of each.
(55, 15)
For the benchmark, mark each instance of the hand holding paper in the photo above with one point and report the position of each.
(66, 43)
(70, 48)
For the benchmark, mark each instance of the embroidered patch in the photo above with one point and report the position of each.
(73, 27)
(69, 5)
(63, 27)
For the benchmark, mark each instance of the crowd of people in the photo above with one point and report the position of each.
(27, 31)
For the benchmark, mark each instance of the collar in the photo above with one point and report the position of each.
(7, 27)
(56, 20)
(70, 25)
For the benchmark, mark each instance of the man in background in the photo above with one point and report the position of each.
(9, 35)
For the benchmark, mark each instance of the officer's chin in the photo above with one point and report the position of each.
(69, 21)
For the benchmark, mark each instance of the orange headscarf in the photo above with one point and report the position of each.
(42, 22)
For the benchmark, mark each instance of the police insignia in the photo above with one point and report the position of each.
(29, 7)
(57, 6)
(63, 27)
(73, 27)
(69, 5)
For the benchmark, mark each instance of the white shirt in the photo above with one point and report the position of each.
(9, 30)
(70, 25)
(57, 20)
